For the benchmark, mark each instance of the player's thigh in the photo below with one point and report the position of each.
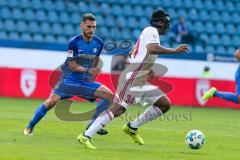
(52, 100)
(104, 92)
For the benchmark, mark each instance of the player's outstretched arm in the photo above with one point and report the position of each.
(237, 54)
(155, 48)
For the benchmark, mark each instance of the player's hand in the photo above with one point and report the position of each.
(182, 48)
(94, 71)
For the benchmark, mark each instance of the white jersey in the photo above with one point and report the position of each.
(141, 61)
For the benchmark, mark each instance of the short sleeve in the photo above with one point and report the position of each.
(72, 50)
(152, 36)
(100, 49)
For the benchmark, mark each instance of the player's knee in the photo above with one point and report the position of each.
(118, 110)
(50, 102)
(164, 104)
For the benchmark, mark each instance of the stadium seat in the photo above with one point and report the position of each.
(116, 10)
(230, 29)
(238, 30)
(204, 37)
(25, 4)
(1, 25)
(220, 28)
(9, 25)
(62, 39)
(132, 22)
(144, 22)
(105, 8)
(215, 17)
(21, 26)
(38, 37)
(5, 13)
(182, 12)
(219, 6)
(230, 6)
(13, 3)
(215, 39)
(48, 5)
(177, 3)
(236, 40)
(226, 41)
(210, 49)
(209, 5)
(64, 17)
(45, 28)
(3, 3)
(231, 50)
(103, 32)
(172, 13)
(52, 16)
(193, 14)
(138, 11)
(33, 27)
(26, 37)
(221, 50)
(17, 14)
(37, 4)
(136, 33)
(198, 4)
(68, 29)
(29, 14)
(121, 22)
(40, 15)
(59, 6)
(209, 27)
(127, 10)
(225, 17)
(203, 15)
(75, 18)
(50, 38)
(14, 36)
(57, 29)
(235, 18)
(110, 21)
(187, 3)
(199, 49)
(3, 35)
(148, 11)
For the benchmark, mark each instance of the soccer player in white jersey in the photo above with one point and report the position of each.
(133, 87)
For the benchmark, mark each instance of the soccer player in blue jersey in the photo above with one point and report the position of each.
(233, 97)
(78, 75)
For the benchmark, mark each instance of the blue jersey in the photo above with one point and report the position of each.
(85, 54)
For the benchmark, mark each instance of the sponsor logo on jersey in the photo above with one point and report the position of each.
(70, 53)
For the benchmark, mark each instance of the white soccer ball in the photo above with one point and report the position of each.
(195, 139)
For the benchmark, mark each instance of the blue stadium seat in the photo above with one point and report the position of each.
(3, 35)
(25, 4)
(136, 33)
(193, 15)
(198, 4)
(12, 3)
(209, 27)
(48, 5)
(125, 34)
(219, 6)
(235, 18)
(121, 22)
(37, 4)
(238, 30)
(182, 12)
(236, 40)
(57, 29)
(230, 6)
(225, 17)
(215, 39)
(215, 17)
(82, 7)
(172, 13)
(209, 5)
(76, 18)
(199, 49)
(221, 50)
(132, 22)
(5, 13)
(50, 38)
(187, 3)
(177, 3)
(127, 10)
(226, 41)
(110, 21)
(220, 28)
(68, 29)
(204, 37)
(203, 15)
(62, 39)
(100, 20)
(52, 16)
(64, 17)
(116, 10)
(148, 11)
(40, 15)
(231, 50)
(231, 29)
(3, 3)
(45, 28)
(59, 6)
(21, 26)
(9, 25)
(148, 3)
(14, 36)
(1, 25)
(103, 32)
(17, 14)
(38, 38)
(29, 14)
(105, 8)
(144, 22)
(210, 49)
(26, 37)
(138, 11)
(33, 27)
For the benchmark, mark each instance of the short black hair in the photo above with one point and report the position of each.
(88, 16)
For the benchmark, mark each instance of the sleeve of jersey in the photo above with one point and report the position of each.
(100, 49)
(72, 51)
(152, 37)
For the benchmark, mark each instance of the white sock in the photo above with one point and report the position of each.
(99, 123)
(149, 114)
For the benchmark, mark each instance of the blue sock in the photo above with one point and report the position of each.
(38, 115)
(102, 105)
(227, 96)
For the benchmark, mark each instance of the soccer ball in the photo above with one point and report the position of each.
(195, 139)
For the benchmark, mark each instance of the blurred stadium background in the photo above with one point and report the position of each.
(33, 43)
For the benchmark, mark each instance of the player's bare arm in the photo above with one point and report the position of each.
(155, 48)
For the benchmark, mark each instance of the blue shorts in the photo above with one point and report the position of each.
(81, 89)
(237, 79)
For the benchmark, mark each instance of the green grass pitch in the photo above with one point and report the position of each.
(164, 138)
